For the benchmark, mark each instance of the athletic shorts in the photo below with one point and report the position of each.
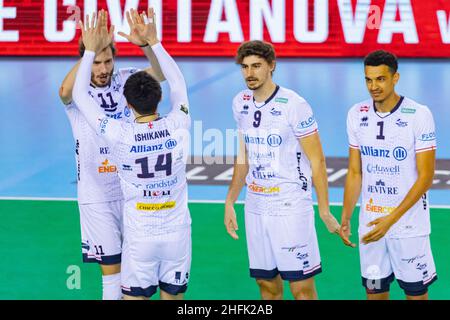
(409, 260)
(162, 261)
(283, 244)
(101, 232)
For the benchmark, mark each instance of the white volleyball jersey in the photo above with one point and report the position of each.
(150, 157)
(96, 173)
(279, 171)
(388, 145)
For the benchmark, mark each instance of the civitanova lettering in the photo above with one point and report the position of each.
(225, 17)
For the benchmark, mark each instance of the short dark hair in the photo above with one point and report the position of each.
(82, 48)
(142, 92)
(256, 48)
(382, 57)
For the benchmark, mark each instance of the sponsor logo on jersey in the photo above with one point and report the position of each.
(302, 256)
(424, 201)
(244, 109)
(152, 135)
(77, 152)
(117, 115)
(162, 184)
(375, 152)
(263, 190)
(155, 206)
(126, 167)
(307, 123)
(364, 109)
(126, 112)
(106, 167)
(155, 194)
(103, 124)
(254, 140)
(413, 259)
(292, 249)
(375, 208)
(246, 97)
(274, 140)
(400, 153)
(386, 170)
(428, 136)
(408, 110)
(301, 176)
(184, 108)
(421, 266)
(144, 148)
(282, 100)
(261, 156)
(381, 188)
(401, 123)
(104, 150)
(261, 173)
(171, 143)
(275, 113)
(364, 122)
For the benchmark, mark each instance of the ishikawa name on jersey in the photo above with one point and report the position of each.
(96, 173)
(388, 145)
(279, 171)
(150, 157)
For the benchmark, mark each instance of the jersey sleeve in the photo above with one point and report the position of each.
(351, 131)
(424, 131)
(125, 73)
(236, 113)
(179, 115)
(301, 118)
(109, 128)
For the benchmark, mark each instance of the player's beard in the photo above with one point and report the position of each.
(255, 86)
(97, 83)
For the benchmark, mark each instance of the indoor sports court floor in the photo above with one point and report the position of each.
(40, 237)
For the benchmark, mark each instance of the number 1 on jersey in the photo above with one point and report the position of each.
(380, 136)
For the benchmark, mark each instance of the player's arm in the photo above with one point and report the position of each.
(313, 149)
(94, 39)
(65, 91)
(139, 32)
(237, 183)
(352, 190)
(425, 162)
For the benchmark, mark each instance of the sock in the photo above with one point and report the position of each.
(111, 287)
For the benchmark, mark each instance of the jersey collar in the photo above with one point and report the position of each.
(268, 99)
(392, 111)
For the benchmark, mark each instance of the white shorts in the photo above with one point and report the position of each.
(409, 260)
(163, 261)
(285, 245)
(101, 232)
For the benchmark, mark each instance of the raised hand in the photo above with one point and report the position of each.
(142, 28)
(94, 32)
